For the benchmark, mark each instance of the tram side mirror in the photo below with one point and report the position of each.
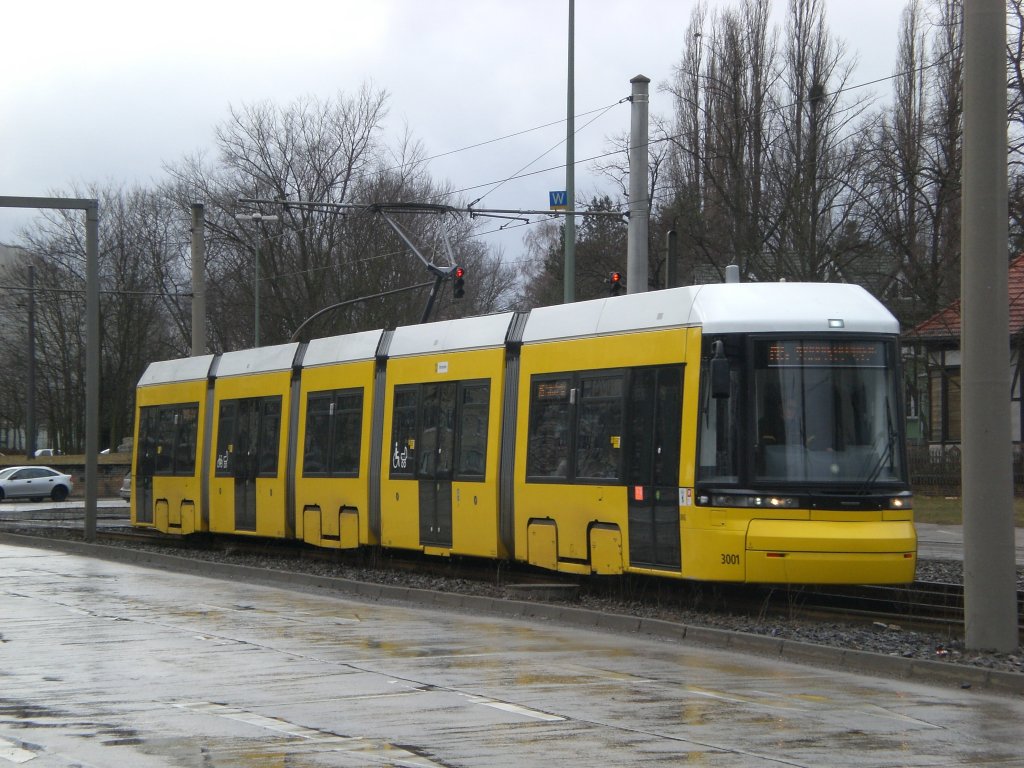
(719, 372)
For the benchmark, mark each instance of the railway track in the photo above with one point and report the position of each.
(924, 606)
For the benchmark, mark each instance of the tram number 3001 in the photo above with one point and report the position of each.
(730, 559)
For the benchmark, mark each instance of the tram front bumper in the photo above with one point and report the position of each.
(831, 552)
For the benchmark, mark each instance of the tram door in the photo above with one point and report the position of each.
(145, 465)
(653, 474)
(247, 449)
(246, 463)
(434, 470)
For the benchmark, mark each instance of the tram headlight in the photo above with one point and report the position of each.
(903, 501)
(753, 502)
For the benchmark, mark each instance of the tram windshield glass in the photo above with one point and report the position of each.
(815, 410)
(825, 411)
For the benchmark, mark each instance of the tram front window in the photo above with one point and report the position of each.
(825, 412)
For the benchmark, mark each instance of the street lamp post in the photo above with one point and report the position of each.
(258, 218)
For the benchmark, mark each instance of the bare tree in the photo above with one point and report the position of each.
(723, 128)
(911, 192)
(1015, 118)
(815, 158)
(332, 180)
(134, 253)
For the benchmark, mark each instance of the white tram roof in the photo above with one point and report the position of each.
(258, 360)
(451, 335)
(182, 369)
(342, 349)
(718, 308)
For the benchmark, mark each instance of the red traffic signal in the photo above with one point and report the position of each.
(459, 283)
(615, 283)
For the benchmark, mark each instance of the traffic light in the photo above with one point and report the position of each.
(459, 284)
(615, 283)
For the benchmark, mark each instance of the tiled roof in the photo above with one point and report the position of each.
(945, 325)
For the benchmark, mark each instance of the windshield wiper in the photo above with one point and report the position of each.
(885, 456)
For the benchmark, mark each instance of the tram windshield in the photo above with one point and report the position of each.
(820, 411)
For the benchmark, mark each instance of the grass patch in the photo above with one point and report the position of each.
(948, 510)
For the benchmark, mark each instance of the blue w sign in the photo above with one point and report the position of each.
(557, 200)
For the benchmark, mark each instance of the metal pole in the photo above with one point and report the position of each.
(198, 280)
(990, 601)
(569, 292)
(258, 218)
(30, 393)
(671, 259)
(639, 205)
(92, 335)
(92, 366)
(256, 289)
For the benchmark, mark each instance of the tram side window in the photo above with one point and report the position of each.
(403, 431)
(437, 422)
(145, 453)
(316, 458)
(248, 437)
(185, 440)
(718, 450)
(226, 437)
(654, 426)
(472, 450)
(447, 423)
(547, 454)
(269, 435)
(576, 427)
(599, 428)
(167, 439)
(165, 432)
(348, 431)
(333, 433)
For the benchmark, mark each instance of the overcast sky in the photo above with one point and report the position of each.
(111, 91)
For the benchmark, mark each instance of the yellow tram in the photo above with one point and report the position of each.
(734, 432)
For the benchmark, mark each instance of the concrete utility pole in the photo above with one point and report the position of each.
(198, 280)
(569, 282)
(639, 204)
(990, 601)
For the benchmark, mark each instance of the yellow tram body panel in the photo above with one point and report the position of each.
(474, 504)
(586, 525)
(659, 347)
(173, 500)
(333, 512)
(270, 491)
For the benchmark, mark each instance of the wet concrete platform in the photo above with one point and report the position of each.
(111, 664)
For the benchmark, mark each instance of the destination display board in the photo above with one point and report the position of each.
(819, 352)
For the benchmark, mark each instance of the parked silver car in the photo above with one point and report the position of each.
(35, 483)
(126, 487)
